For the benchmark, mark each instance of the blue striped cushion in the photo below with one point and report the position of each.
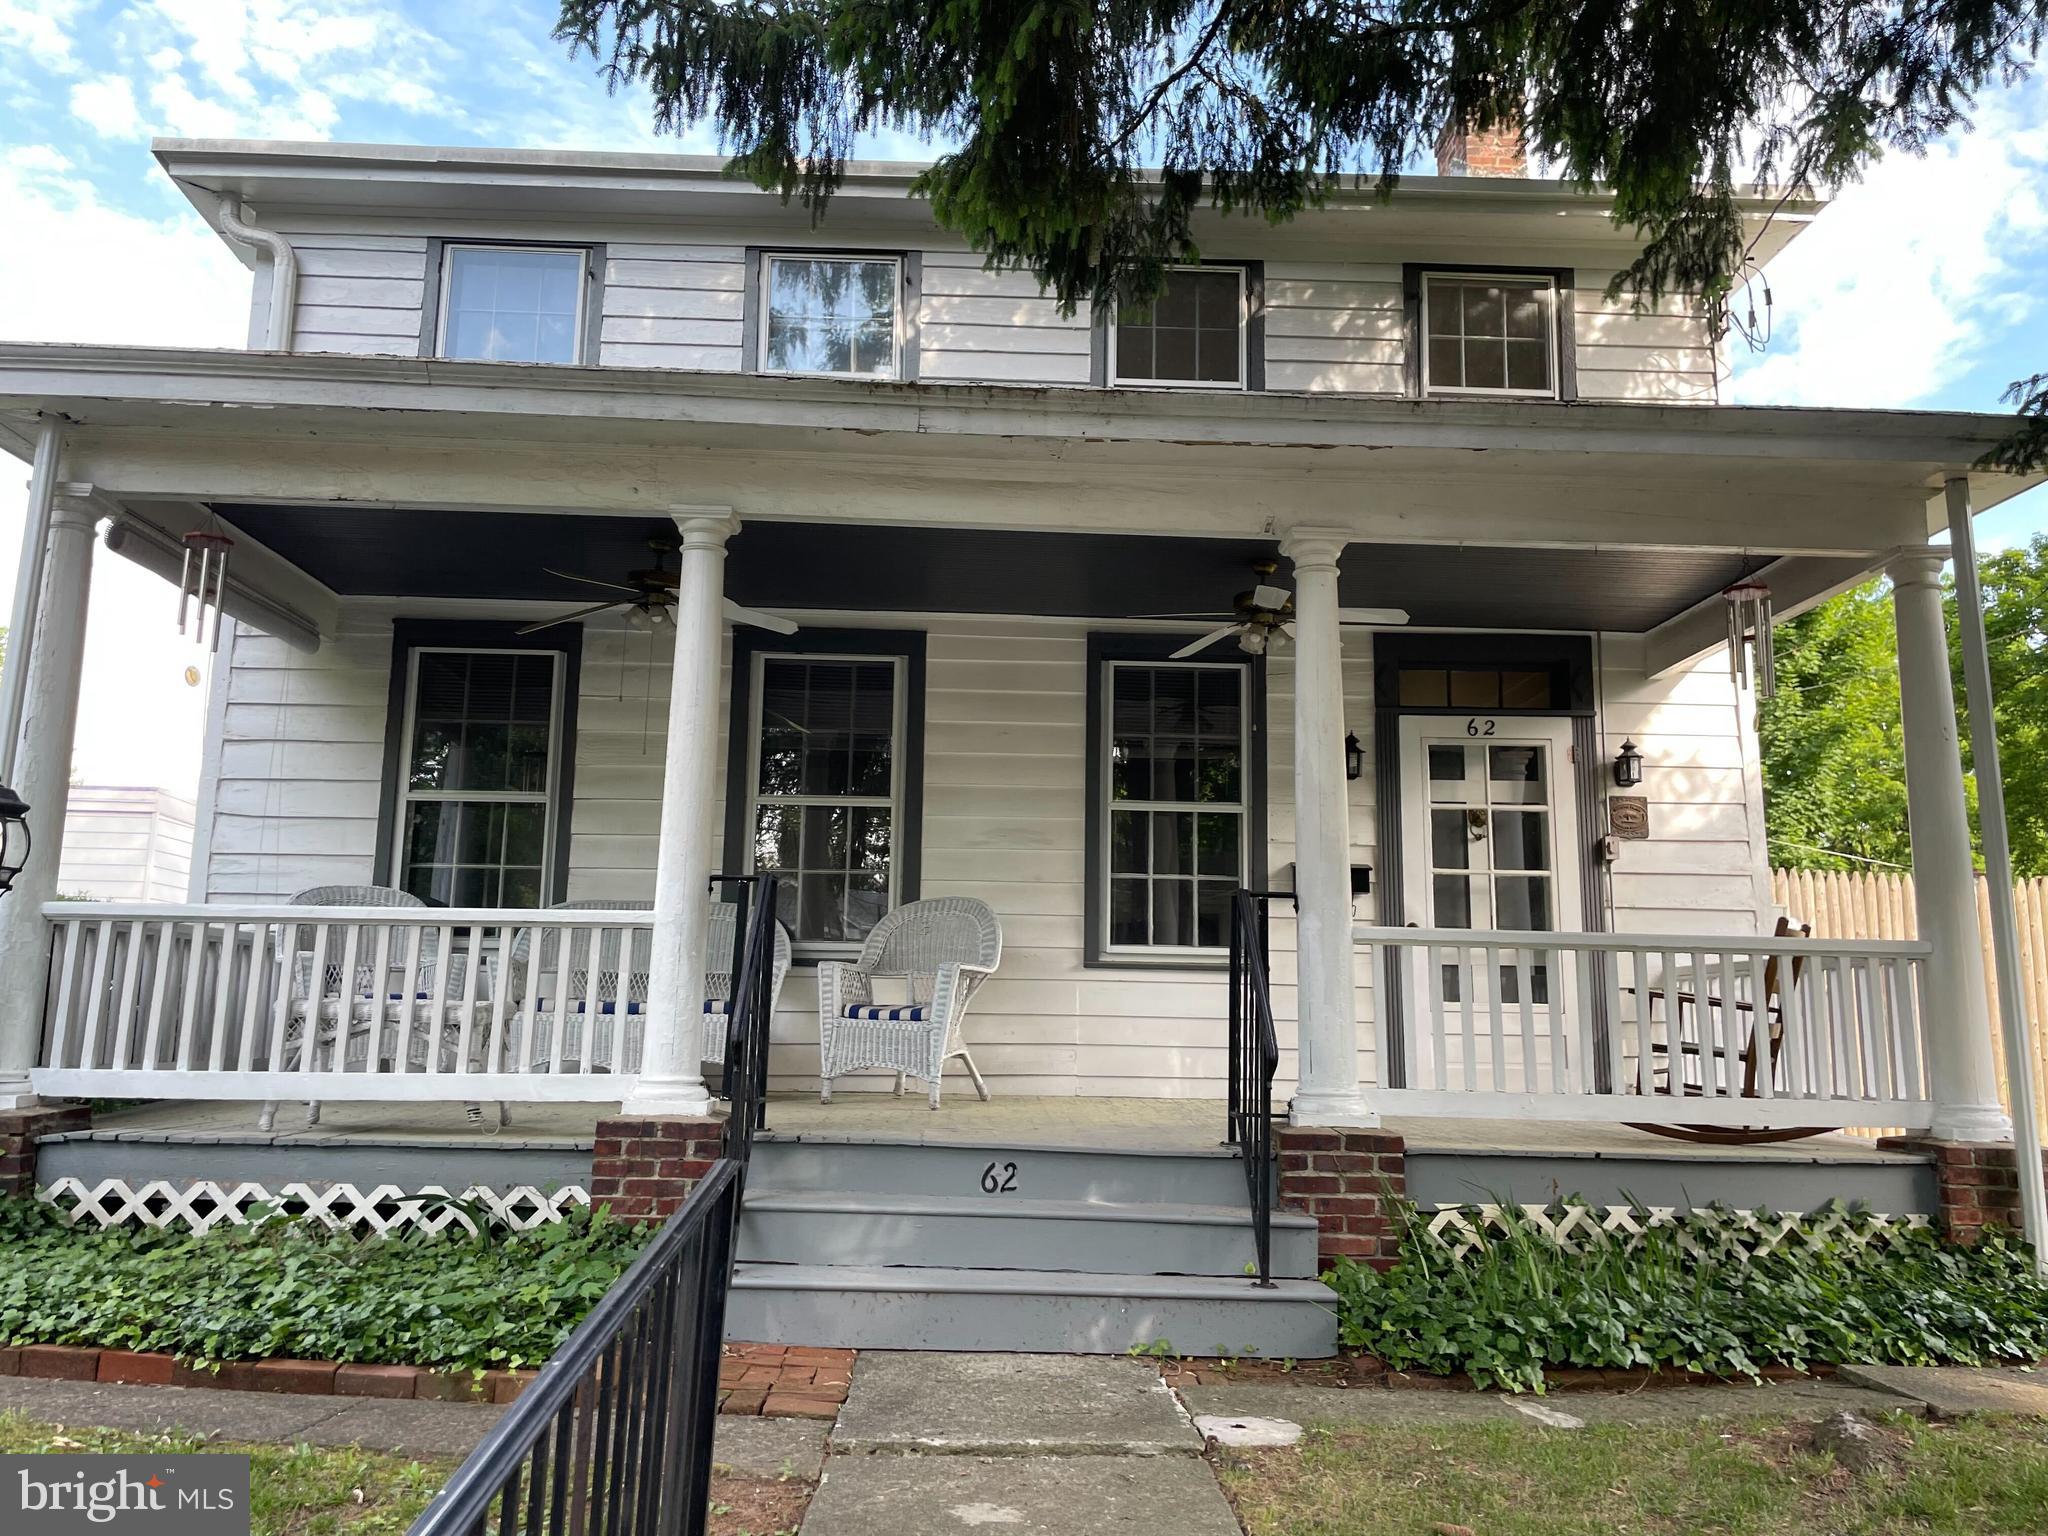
(893, 1013)
(582, 1005)
(718, 1005)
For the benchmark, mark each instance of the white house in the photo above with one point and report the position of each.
(482, 384)
(126, 842)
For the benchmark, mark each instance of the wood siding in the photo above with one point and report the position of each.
(1004, 776)
(1664, 354)
(673, 306)
(1335, 326)
(995, 327)
(125, 843)
(360, 293)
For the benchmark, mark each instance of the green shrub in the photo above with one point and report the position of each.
(293, 1289)
(1519, 1303)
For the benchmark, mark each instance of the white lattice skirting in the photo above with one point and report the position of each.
(339, 1207)
(1707, 1232)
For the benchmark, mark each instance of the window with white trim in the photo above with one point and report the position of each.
(512, 303)
(476, 800)
(1487, 335)
(826, 777)
(1176, 786)
(833, 315)
(1193, 333)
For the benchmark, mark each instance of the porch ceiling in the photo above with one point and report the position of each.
(378, 552)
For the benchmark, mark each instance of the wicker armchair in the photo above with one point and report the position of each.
(944, 949)
(353, 1010)
(718, 950)
(620, 989)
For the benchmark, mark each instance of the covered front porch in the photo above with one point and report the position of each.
(1560, 576)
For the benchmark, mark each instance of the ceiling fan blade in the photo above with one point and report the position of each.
(768, 621)
(1206, 613)
(589, 580)
(1205, 642)
(580, 613)
(1372, 615)
(1264, 596)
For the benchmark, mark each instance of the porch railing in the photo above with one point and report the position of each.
(1254, 1059)
(150, 1000)
(1713, 1030)
(745, 1085)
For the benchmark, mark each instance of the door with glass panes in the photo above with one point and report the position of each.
(1490, 841)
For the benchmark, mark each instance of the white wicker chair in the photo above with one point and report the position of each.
(718, 946)
(944, 949)
(370, 1004)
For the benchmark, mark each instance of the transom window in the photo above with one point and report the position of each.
(474, 824)
(1489, 335)
(1177, 796)
(1193, 333)
(1474, 688)
(512, 304)
(831, 315)
(828, 739)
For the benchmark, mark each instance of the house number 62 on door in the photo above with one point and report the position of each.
(1479, 727)
(999, 1179)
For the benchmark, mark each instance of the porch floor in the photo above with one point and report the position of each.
(1171, 1125)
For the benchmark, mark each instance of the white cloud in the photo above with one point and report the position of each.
(108, 106)
(1910, 273)
(40, 29)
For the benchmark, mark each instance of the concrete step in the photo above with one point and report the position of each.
(1007, 1232)
(1059, 1312)
(1117, 1176)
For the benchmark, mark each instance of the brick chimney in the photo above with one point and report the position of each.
(1481, 152)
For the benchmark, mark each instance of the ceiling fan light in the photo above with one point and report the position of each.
(1253, 641)
(639, 619)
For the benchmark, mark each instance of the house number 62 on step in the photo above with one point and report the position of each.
(999, 1179)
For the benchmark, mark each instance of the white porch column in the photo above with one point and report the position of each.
(42, 777)
(1961, 1069)
(671, 1080)
(1327, 1030)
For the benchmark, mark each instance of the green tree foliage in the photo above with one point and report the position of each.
(1082, 138)
(2015, 585)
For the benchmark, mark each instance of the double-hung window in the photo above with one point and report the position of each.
(827, 790)
(512, 303)
(832, 315)
(1193, 333)
(1176, 786)
(476, 793)
(1488, 335)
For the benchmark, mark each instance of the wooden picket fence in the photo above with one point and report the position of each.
(1880, 906)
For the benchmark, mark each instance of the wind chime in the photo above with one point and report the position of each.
(203, 581)
(1749, 624)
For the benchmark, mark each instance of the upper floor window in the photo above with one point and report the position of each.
(1485, 335)
(835, 315)
(512, 303)
(1193, 333)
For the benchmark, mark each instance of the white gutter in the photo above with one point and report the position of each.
(28, 586)
(284, 269)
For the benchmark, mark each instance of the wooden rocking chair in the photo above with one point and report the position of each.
(1670, 1076)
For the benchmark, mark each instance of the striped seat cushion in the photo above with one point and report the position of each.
(894, 1013)
(718, 1005)
(582, 1005)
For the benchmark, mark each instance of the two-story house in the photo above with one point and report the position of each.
(595, 523)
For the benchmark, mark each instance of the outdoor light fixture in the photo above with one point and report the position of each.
(1628, 766)
(13, 837)
(1354, 756)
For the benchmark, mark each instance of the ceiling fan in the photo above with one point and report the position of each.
(650, 600)
(1265, 612)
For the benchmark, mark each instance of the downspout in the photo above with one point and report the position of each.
(284, 268)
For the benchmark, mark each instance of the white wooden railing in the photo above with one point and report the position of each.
(218, 1002)
(1657, 1028)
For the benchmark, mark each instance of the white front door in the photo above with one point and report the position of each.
(1490, 841)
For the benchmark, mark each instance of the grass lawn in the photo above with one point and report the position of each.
(1979, 1475)
(326, 1491)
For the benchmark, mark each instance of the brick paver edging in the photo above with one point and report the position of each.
(763, 1379)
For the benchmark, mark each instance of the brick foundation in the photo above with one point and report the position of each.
(20, 1129)
(1345, 1179)
(643, 1169)
(1977, 1184)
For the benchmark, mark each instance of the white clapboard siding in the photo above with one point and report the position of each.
(673, 306)
(125, 843)
(1334, 327)
(995, 327)
(359, 293)
(1663, 353)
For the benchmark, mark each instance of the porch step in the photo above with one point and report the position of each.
(867, 1307)
(999, 1171)
(999, 1231)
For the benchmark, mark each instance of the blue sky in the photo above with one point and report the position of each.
(1925, 286)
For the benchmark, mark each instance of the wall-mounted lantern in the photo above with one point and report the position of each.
(1628, 766)
(13, 837)
(1354, 756)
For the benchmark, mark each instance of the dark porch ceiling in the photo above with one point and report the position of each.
(377, 552)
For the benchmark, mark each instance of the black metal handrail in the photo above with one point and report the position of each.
(1254, 1059)
(614, 1435)
(745, 1086)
